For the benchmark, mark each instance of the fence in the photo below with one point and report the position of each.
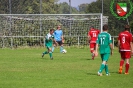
(7, 41)
(30, 29)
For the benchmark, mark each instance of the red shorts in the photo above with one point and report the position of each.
(92, 45)
(125, 54)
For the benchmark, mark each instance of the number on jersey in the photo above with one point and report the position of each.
(102, 40)
(123, 39)
(94, 35)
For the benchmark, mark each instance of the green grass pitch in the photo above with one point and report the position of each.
(24, 68)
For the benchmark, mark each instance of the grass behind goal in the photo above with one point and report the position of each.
(24, 68)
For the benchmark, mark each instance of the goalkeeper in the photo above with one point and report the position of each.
(59, 39)
(49, 38)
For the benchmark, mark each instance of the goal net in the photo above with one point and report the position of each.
(30, 29)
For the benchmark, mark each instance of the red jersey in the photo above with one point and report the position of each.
(125, 38)
(93, 33)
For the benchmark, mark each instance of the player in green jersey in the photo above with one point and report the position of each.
(105, 47)
(49, 38)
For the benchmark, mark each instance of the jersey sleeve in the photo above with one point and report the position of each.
(119, 37)
(47, 37)
(98, 31)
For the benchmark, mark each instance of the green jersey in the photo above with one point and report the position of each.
(104, 40)
(49, 40)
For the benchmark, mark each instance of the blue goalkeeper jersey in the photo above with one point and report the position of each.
(58, 34)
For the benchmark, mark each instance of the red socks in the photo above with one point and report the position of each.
(126, 67)
(92, 51)
(121, 63)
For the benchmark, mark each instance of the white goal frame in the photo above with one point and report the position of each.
(39, 18)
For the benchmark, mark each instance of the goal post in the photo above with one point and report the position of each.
(30, 29)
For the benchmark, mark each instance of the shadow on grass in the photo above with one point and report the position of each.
(91, 73)
(103, 73)
(116, 72)
(88, 59)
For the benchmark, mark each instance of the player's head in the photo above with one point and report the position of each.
(58, 27)
(51, 31)
(92, 27)
(127, 27)
(105, 27)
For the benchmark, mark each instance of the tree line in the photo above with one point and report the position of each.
(53, 7)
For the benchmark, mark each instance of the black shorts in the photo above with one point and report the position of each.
(59, 42)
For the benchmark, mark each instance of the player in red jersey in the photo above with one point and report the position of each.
(125, 48)
(92, 37)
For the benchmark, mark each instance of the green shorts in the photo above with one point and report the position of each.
(48, 45)
(105, 56)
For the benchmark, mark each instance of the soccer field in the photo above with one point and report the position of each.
(24, 68)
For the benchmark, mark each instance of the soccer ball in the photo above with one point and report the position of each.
(64, 51)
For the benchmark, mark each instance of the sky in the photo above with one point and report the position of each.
(75, 3)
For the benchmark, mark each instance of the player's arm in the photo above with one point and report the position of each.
(55, 43)
(119, 45)
(111, 48)
(119, 42)
(96, 48)
(131, 45)
(63, 40)
(62, 37)
(89, 37)
(111, 45)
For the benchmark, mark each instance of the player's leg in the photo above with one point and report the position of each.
(121, 66)
(92, 45)
(53, 47)
(105, 58)
(102, 66)
(121, 61)
(61, 46)
(45, 52)
(127, 65)
(106, 69)
(50, 53)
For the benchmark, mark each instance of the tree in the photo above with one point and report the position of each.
(113, 22)
(83, 8)
(131, 26)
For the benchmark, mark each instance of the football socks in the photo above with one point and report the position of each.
(101, 68)
(61, 48)
(106, 69)
(126, 67)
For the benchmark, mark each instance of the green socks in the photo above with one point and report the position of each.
(106, 69)
(50, 54)
(101, 68)
(45, 52)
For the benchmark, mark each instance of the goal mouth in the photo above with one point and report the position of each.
(33, 27)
